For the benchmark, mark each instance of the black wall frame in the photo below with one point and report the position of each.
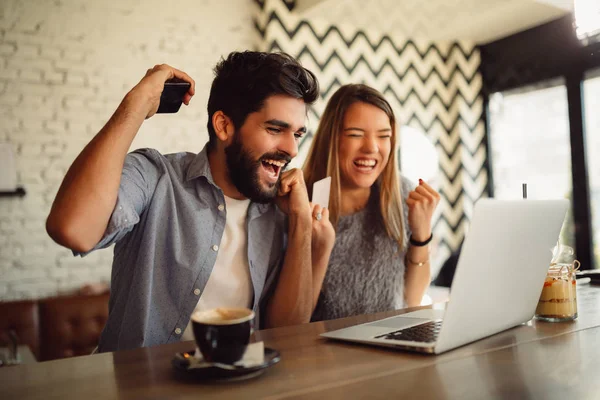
(539, 54)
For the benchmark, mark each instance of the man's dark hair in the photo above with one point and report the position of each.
(244, 80)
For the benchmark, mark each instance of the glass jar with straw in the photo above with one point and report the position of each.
(558, 301)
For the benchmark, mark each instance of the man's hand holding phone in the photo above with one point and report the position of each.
(163, 89)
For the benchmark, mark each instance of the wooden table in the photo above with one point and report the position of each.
(535, 360)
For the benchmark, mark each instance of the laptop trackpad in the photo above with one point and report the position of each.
(398, 322)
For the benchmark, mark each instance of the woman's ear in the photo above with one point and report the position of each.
(223, 126)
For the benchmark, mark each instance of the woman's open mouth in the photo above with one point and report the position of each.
(271, 169)
(365, 165)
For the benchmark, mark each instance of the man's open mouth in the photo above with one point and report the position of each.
(272, 169)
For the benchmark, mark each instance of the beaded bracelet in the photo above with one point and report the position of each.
(417, 264)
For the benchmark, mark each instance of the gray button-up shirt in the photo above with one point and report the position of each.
(167, 224)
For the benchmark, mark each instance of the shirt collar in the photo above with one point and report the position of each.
(200, 167)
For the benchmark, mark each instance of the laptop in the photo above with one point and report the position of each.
(497, 284)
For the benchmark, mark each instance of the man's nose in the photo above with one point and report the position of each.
(289, 145)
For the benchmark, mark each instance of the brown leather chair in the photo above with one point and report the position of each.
(22, 318)
(70, 326)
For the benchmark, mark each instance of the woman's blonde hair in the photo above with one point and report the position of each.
(323, 160)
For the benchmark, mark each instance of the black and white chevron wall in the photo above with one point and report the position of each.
(433, 87)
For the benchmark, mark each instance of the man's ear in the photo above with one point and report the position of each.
(223, 126)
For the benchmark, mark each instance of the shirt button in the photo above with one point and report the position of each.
(221, 207)
(120, 207)
(125, 219)
(215, 247)
(196, 292)
(178, 331)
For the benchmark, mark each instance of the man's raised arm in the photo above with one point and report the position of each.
(88, 193)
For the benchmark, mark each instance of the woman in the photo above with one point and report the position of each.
(380, 260)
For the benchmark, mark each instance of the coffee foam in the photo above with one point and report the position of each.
(223, 316)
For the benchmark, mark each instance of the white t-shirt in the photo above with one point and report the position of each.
(229, 284)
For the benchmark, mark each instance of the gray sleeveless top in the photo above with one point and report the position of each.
(366, 269)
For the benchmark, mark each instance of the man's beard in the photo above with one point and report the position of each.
(243, 171)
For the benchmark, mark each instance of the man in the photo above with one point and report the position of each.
(196, 231)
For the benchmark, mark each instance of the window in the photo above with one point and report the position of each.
(591, 95)
(529, 142)
(418, 157)
(587, 18)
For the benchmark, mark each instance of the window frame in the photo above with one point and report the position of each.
(531, 57)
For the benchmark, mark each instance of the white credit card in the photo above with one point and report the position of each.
(320, 194)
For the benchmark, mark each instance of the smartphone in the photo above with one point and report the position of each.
(172, 96)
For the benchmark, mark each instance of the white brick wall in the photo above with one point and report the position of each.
(64, 67)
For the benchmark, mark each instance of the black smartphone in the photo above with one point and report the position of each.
(172, 95)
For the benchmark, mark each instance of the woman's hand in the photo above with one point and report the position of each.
(323, 240)
(421, 204)
(323, 234)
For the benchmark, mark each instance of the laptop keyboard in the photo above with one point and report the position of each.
(426, 333)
